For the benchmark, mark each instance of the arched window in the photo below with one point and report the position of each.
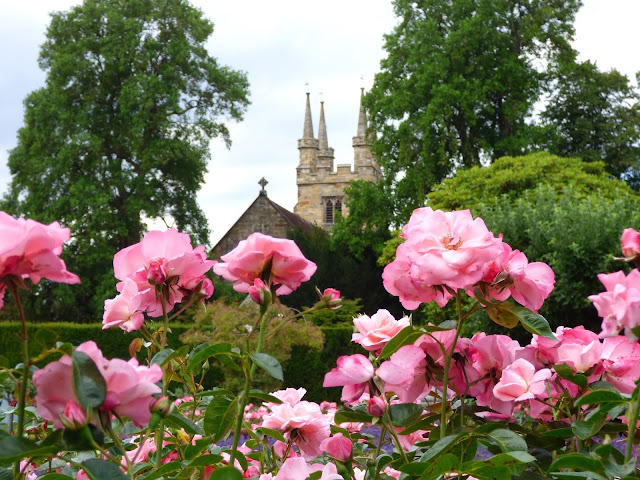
(338, 207)
(328, 211)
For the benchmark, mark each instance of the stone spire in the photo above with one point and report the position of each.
(323, 142)
(308, 123)
(325, 153)
(362, 118)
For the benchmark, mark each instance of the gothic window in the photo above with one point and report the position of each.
(337, 208)
(332, 205)
(328, 211)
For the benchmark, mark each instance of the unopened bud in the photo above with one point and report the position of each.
(162, 406)
(330, 298)
(259, 292)
(73, 417)
(376, 406)
(156, 273)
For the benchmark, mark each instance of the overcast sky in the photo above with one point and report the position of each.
(335, 46)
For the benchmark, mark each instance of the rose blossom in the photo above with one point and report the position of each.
(619, 305)
(338, 447)
(440, 249)
(123, 310)
(520, 381)
(167, 260)
(29, 249)
(404, 373)
(246, 262)
(353, 372)
(375, 332)
(528, 283)
(630, 243)
(130, 387)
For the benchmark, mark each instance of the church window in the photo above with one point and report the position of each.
(338, 207)
(328, 212)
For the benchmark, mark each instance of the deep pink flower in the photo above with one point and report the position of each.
(619, 305)
(630, 243)
(528, 283)
(376, 406)
(287, 265)
(259, 292)
(440, 249)
(338, 447)
(167, 259)
(375, 332)
(331, 298)
(130, 387)
(29, 249)
(520, 381)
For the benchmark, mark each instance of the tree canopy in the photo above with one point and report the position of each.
(121, 130)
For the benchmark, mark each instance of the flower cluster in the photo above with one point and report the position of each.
(162, 269)
(31, 250)
(447, 251)
(130, 388)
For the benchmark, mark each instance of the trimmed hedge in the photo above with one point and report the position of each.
(305, 368)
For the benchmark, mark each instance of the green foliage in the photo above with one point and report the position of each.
(576, 234)
(595, 116)
(457, 86)
(340, 316)
(339, 268)
(508, 178)
(120, 132)
(230, 323)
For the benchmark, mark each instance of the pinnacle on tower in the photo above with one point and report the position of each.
(362, 119)
(322, 130)
(308, 123)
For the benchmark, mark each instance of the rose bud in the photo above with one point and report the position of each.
(259, 292)
(376, 406)
(73, 417)
(156, 273)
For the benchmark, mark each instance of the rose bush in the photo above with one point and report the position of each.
(419, 402)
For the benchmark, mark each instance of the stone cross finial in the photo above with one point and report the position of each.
(262, 183)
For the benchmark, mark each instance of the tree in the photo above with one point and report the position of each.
(594, 115)
(458, 84)
(121, 130)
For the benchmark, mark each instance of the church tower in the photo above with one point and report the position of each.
(320, 188)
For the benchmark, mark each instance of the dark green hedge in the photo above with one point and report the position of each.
(306, 368)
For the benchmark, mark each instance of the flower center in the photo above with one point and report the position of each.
(451, 242)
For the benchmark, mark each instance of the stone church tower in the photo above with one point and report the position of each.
(320, 188)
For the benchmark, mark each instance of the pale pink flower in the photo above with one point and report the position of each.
(375, 332)
(620, 363)
(130, 387)
(290, 395)
(338, 446)
(352, 372)
(528, 283)
(442, 249)
(287, 265)
(124, 310)
(630, 243)
(168, 259)
(29, 249)
(305, 421)
(409, 440)
(619, 305)
(404, 374)
(520, 381)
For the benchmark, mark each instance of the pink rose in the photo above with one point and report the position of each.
(331, 298)
(620, 363)
(376, 331)
(290, 395)
(287, 266)
(338, 447)
(376, 406)
(29, 249)
(130, 387)
(353, 373)
(440, 249)
(259, 292)
(630, 243)
(124, 310)
(528, 283)
(404, 374)
(166, 260)
(520, 381)
(619, 305)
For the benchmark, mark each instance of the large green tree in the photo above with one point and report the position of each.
(120, 131)
(460, 79)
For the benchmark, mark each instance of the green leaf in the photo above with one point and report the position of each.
(226, 473)
(268, 363)
(577, 461)
(17, 448)
(177, 420)
(265, 397)
(442, 445)
(198, 357)
(587, 429)
(219, 417)
(403, 414)
(507, 440)
(45, 337)
(98, 469)
(347, 416)
(6, 474)
(533, 322)
(204, 460)
(271, 433)
(516, 456)
(601, 396)
(502, 316)
(88, 383)
(163, 470)
(53, 476)
(406, 336)
(161, 357)
(565, 372)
